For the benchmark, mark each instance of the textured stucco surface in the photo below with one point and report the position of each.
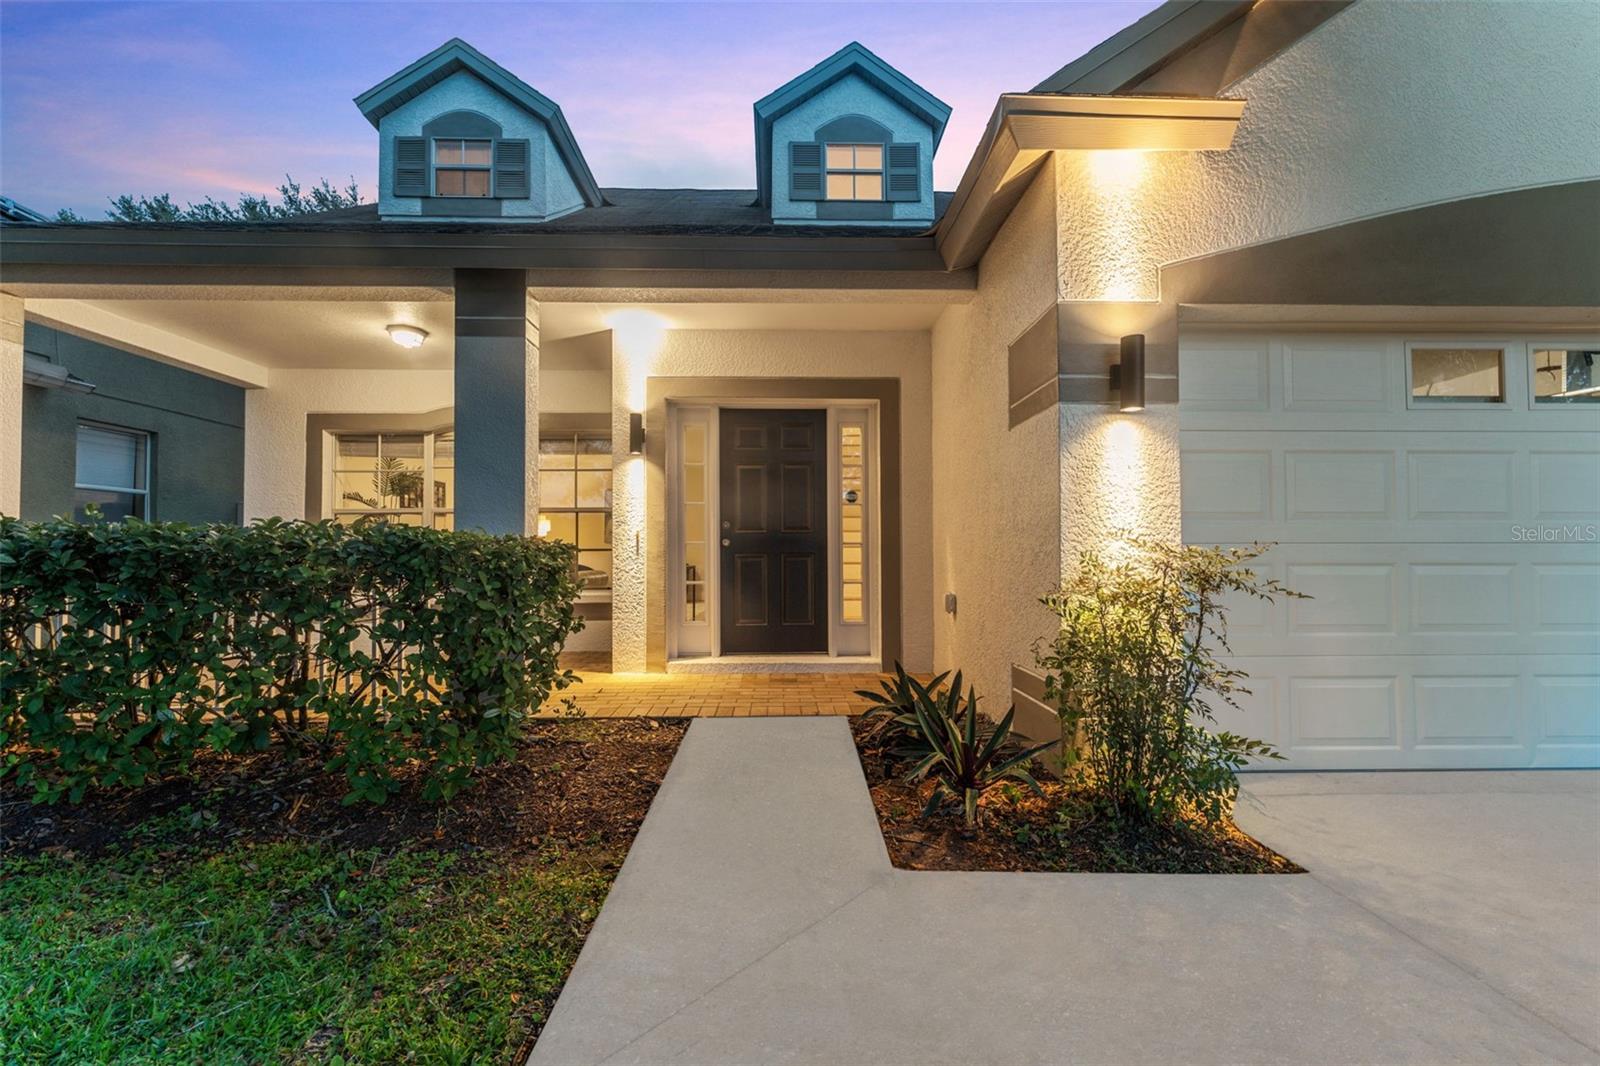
(11, 315)
(756, 353)
(996, 512)
(851, 95)
(1386, 106)
(552, 188)
(1119, 477)
(275, 423)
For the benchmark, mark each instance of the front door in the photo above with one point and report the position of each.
(774, 531)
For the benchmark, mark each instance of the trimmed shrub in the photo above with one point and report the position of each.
(129, 647)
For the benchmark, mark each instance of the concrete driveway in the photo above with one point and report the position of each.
(1447, 918)
(1496, 872)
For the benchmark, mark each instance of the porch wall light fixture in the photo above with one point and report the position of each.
(1127, 376)
(635, 433)
(407, 336)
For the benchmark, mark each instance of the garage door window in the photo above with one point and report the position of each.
(1565, 375)
(1457, 375)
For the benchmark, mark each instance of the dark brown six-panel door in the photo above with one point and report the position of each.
(774, 533)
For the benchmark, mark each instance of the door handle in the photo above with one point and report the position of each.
(726, 543)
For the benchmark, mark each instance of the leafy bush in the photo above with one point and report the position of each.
(126, 648)
(1132, 668)
(945, 739)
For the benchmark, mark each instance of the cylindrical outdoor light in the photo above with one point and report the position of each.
(636, 433)
(1127, 377)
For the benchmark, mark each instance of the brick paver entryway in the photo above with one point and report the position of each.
(601, 694)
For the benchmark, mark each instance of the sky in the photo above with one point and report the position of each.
(219, 98)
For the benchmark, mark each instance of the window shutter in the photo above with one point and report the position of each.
(805, 170)
(511, 170)
(904, 177)
(410, 166)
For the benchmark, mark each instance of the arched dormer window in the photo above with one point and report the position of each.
(461, 155)
(854, 159)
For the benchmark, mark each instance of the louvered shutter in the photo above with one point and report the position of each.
(410, 166)
(805, 170)
(511, 170)
(904, 177)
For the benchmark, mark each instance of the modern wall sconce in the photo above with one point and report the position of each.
(636, 433)
(1127, 376)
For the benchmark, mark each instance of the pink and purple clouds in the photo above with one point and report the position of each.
(217, 99)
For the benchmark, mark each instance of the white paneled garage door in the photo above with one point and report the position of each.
(1448, 539)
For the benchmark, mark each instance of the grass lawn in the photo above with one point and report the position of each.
(250, 918)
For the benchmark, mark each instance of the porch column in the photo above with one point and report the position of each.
(497, 402)
(10, 404)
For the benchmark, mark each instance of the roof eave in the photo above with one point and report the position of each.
(1026, 127)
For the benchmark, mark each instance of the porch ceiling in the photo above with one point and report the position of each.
(241, 337)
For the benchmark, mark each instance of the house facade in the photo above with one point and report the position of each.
(1319, 274)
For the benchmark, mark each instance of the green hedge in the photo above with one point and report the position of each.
(131, 646)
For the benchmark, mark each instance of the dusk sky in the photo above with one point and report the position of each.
(220, 98)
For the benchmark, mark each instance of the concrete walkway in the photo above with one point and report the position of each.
(757, 920)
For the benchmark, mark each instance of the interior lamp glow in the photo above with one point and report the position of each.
(1127, 376)
(544, 526)
(407, 336)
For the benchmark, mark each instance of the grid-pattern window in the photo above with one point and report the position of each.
(462, 167)
(695, 575)
(855, 172)
(852, 522)
(575, 500)
(113, 472)
(409, 478)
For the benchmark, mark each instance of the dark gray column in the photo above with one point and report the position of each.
(497, 402)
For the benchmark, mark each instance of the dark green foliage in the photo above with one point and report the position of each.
(126, 648)
(292, 201)
(1133, 666)
(946, 739)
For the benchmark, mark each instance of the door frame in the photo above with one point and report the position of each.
(852, 639)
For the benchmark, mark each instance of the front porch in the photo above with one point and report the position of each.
(600, 693)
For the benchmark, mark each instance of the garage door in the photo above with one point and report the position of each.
(1438, 498)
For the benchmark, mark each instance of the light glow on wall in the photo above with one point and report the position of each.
(636, 335)
(1116, 188)
(1122, 487)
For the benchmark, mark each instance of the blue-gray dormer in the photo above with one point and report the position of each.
(462, 138)
(849, 142)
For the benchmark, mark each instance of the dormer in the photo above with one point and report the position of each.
(460, 138)
(849, 143)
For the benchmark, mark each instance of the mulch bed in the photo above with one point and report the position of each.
(1058, 832)
(573, 783)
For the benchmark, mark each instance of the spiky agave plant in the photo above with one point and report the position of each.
(965, 758)
(891, 706)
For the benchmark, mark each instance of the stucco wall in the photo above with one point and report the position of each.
(552, 189)
(996, 508)
(1388, 105)
(747, 353)
(275, 423)
(1119, 478)
(851, 95)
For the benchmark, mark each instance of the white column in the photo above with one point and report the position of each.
(10, 404)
